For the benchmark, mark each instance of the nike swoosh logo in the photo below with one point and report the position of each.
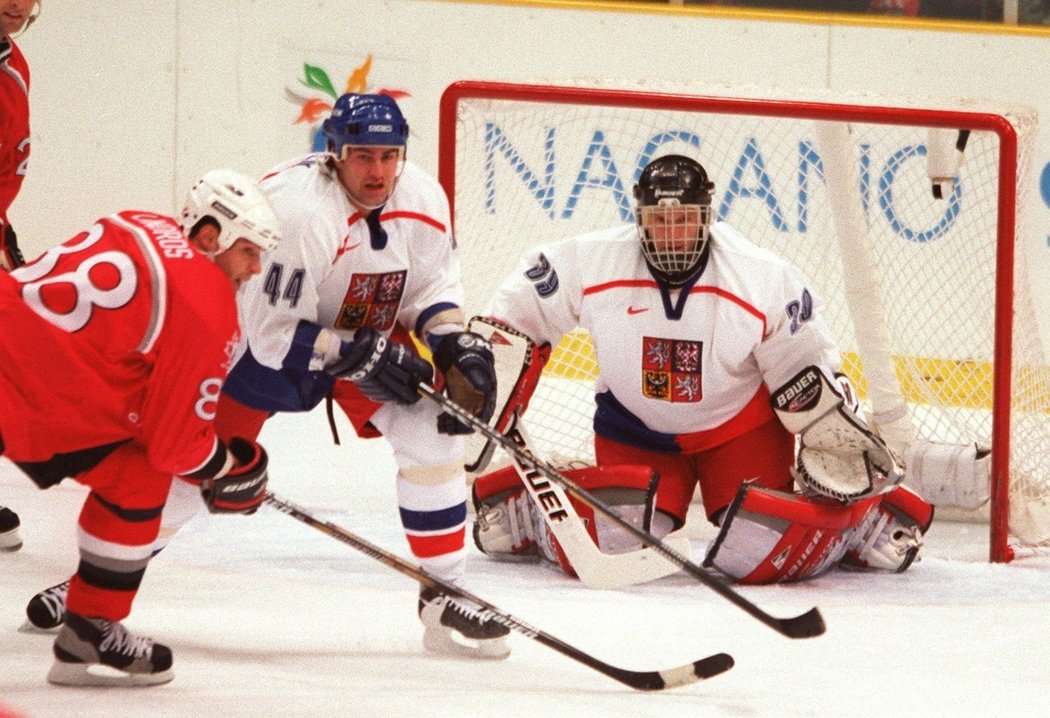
(637, 310)
(343, 249)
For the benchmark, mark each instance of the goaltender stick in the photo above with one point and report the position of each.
(712, 357)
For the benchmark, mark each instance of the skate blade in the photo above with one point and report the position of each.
(9, 544)
(30, 627)
(96, 674)
(452, 643)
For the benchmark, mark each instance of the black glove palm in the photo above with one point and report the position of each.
(466, 360)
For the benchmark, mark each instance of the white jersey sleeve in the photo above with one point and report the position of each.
(542, 297)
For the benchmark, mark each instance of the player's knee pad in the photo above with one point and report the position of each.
(891, 534)
(510, 527)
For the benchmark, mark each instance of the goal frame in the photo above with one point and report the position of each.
(1006, 220)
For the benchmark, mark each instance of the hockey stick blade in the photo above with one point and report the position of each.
(806, 625)
(639, 680)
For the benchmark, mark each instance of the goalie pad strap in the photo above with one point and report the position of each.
(891, 535)
(772, 537)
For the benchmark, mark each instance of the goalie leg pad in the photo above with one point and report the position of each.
(949, 474)
(510, 527)
(890, 536)
(773, 537)
(839, 456)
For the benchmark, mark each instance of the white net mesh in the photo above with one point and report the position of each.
(530, 171)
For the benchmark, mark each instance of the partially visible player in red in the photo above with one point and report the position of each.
(116, 345)
(15, 16)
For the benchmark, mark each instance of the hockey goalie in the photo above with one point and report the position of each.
(716, 372)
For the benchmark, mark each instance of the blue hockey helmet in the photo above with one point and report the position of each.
(356, 120)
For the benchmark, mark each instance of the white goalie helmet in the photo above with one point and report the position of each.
(235, 203)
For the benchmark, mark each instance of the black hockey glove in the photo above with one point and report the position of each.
(465, 358)
(383, 370)
(242, 489)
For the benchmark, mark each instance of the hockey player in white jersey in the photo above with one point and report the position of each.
(368, 258)
(712, 355)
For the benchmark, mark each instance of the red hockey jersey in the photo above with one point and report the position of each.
(123, 332)
(14, 123)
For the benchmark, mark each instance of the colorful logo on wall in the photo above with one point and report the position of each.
(671, 369)
(315, 102)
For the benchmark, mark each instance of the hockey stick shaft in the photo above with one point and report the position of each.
(805, 625)
(640, 680)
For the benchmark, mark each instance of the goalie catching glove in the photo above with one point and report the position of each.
(240, 490)
(383, 370)
(839, 456)
(465, 359)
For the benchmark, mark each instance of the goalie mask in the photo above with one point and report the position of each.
(673, 211)
(236, 204)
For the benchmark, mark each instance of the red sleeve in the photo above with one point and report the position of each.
(14, 123)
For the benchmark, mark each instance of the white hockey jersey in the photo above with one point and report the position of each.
(341, 269)
(685, 372)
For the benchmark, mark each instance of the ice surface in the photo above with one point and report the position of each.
(268, 617)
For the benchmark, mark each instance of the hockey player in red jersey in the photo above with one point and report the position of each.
(713, 357)
(15, 16)
(116, 345)
(14, 119)
(367, 257)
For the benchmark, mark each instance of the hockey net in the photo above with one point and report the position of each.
(927, 295)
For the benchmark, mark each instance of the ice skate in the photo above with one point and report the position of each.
(97, 652)
(46, 611)
(455, 626)
(10, 539)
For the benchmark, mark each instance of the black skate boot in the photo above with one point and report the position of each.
(459, 627)
(97, 652)
(10, 540)
(47, 610)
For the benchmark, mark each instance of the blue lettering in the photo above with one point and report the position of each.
(865, 176)
(752, 160)
(607, 178)
(496, 141)
(807, 159)
(885, 197)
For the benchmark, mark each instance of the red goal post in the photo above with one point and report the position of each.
(928, 295)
